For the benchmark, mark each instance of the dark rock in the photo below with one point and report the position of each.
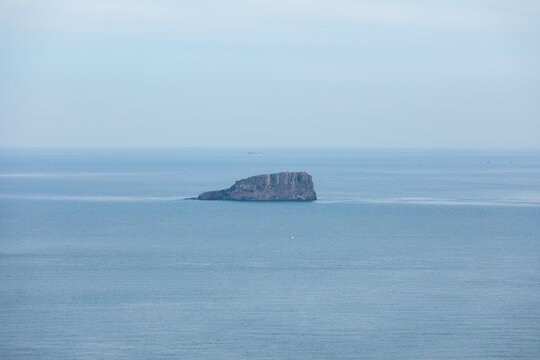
(284, 186)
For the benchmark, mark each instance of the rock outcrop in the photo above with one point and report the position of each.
(284, 186)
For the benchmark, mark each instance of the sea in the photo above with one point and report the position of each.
(406, 254)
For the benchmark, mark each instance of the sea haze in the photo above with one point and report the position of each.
(406, 255)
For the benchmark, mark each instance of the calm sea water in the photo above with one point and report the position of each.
(406, 255)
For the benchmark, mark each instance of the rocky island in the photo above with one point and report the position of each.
(283, 186)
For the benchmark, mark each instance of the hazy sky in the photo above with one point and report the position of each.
(270, 73)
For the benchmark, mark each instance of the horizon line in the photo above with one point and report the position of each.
(254, 148)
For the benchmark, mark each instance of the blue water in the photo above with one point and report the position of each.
(406, 255)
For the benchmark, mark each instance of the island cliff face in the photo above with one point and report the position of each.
(284, 186)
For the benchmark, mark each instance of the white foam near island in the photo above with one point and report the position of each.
(532, 202)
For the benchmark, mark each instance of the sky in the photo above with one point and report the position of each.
(270, 73)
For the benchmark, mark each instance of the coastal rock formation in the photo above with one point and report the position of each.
(284, 186)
